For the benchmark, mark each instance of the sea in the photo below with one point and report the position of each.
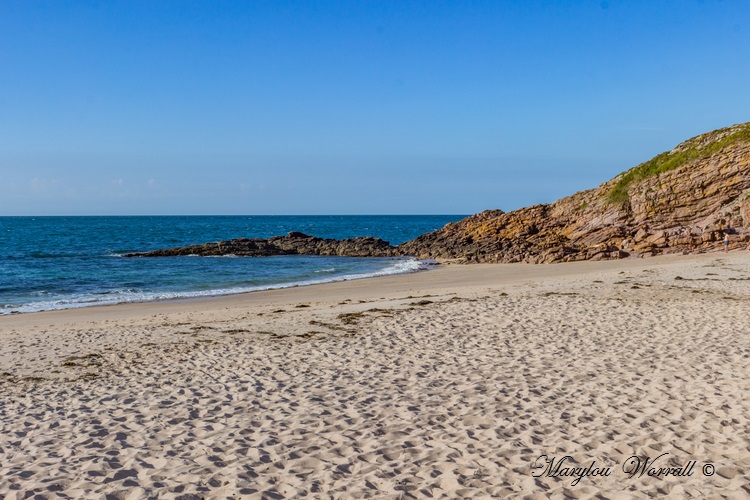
(49, 263)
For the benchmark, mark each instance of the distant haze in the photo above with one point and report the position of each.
(182, 107)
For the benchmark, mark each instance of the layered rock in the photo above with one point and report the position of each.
(684, 200)
(702, 193)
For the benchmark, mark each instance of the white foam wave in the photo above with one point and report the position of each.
(329, 270)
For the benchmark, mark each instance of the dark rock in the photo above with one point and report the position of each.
(294, 243)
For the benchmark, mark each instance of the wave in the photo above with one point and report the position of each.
(329, 270)
(130, 295)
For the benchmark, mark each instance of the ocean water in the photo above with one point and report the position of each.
(64, 262)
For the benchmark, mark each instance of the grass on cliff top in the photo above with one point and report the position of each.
(670, 161)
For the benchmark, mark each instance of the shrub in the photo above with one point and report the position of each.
(669, 160)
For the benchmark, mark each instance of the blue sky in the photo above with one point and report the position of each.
(182, 107)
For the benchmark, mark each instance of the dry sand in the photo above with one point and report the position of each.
(443, 384)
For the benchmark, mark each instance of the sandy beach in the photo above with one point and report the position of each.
(463, 381)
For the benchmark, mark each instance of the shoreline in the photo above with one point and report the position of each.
(442, 383)
(416, 265)
(509, 272)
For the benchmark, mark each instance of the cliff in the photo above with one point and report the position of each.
(684, 200)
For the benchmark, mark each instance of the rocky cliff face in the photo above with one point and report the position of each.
(683, 200)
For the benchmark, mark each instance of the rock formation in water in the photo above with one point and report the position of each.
(684, 200)
(292, 244)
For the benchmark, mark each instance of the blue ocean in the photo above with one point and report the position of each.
(65, 262)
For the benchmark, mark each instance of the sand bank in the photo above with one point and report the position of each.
(448, 383)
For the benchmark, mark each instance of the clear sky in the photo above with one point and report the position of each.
(351, 107)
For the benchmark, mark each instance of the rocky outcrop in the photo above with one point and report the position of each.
(292, 244)
(684, 200)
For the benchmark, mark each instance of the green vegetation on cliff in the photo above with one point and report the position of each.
(695, 149)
